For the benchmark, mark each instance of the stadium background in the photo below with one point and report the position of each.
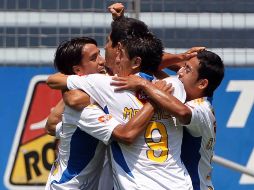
(30, 30)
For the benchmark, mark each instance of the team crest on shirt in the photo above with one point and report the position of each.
(105, 118)
(32, 153)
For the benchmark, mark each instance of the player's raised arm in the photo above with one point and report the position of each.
(175, 61)
(57, 81)
(117, 10)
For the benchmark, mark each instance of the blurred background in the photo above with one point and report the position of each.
(30, 31)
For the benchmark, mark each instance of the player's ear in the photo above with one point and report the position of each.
(119, 52)
(76, 69)
(136, 63)
(203, 83)
(118, 59)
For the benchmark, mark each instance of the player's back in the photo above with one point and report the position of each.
(153, 160)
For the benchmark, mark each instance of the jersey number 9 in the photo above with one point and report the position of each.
(156, 138)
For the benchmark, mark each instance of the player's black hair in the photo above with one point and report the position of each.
(138, 41)
(149, 48)
(124, 27)
(69, 54)
(212, 69)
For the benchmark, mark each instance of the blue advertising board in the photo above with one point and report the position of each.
(234, 111)
(233, 103)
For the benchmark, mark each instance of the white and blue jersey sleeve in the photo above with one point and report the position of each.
(81, 152)
(93, 85)
(97, 123)
(202, 117)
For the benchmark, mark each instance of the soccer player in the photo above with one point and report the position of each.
(120, 37)
(64, 65)
(81, 154)
(201, 75)
(153, 160)
(74, 57)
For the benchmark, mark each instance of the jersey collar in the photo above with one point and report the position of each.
(145, 76)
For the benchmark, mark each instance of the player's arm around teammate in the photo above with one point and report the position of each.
(201, 75)
(54, 118)
(123, 133)
(154, 92)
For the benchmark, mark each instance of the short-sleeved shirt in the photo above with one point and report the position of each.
(153, 160)
(83, 136)
(198, 143)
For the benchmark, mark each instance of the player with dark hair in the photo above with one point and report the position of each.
(201, 75)
(116, 66)
(83, 133)
(153, 160)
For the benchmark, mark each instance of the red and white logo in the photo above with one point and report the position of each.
(32, 151)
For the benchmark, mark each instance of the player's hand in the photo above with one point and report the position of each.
(117, 10)
(192, 52)
(162, 85)
(132, 82)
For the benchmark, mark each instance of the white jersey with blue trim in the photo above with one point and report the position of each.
(198, 143)
(153, 160)
(82, 149)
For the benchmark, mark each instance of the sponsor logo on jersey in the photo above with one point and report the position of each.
(32, 153)
(104, 118)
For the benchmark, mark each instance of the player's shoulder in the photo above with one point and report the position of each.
(202, 103)
(92, 107)
(99, 80)
(91, 110)
(97, 76)
(179, 91)
(174, 80)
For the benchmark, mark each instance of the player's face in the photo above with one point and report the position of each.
(188, 74)
(110, 56)
(124, 66)
(92, 61)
